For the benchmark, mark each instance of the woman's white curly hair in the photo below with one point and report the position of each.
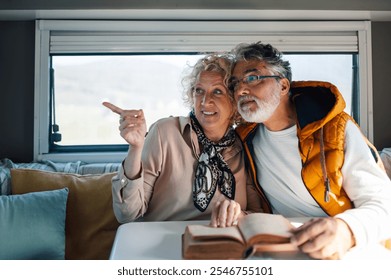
(220, 63)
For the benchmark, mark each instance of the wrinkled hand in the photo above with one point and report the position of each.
(324, 238)
(132, 124)
(225, 213)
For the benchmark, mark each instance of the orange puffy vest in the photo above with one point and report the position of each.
(319, 107)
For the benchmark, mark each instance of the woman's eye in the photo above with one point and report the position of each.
(198, 91)
(218, 92)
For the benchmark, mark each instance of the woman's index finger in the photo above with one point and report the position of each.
(113, 108)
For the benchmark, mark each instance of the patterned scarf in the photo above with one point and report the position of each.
(212, 170)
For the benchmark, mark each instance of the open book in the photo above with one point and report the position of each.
(257, 232)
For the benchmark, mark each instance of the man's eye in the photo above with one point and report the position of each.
(250, 79)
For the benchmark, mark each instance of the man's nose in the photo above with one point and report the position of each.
(241, 89)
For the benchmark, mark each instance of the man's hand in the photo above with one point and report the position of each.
(324, 238)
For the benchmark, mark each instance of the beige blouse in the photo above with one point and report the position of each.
(164, 190)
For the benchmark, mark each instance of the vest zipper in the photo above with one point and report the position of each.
(326, 180)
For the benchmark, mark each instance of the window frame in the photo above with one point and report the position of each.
(56, 36)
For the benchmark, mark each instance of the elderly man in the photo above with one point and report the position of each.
(307, 157)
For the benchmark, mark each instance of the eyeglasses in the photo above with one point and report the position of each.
(249, 80)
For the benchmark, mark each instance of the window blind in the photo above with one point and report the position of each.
(189, 36)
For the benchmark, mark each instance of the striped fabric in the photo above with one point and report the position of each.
(385, 155)
(77, 167)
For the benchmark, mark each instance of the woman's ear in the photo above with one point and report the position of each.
(285, 86)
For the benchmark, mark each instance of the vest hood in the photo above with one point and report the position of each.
(316, 104)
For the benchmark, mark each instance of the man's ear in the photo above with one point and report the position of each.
(285, 86)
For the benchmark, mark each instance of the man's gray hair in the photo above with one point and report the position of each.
(266, 53)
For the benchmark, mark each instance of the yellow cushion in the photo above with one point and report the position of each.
(90, 222)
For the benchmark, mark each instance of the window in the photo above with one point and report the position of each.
(338, 69)
(140, 65)
(149, 82)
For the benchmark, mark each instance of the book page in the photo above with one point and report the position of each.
(203, 232)
(265, 228)
(212, 243)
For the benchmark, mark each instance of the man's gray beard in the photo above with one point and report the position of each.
(264, 110)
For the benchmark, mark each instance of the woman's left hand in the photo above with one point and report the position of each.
(225, 213)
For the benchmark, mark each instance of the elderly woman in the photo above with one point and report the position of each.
(186, 166)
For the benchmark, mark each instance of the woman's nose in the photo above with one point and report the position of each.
(205, 99)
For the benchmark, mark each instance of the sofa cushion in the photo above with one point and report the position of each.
(385, 155)
(90, 221)
(32, 226)
(77, 167)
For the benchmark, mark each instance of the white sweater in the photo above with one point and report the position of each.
(279, 173)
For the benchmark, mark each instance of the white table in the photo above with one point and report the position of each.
(150, 240)
(162, 241)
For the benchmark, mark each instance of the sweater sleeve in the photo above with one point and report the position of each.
(369, 187)
(131, 197)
